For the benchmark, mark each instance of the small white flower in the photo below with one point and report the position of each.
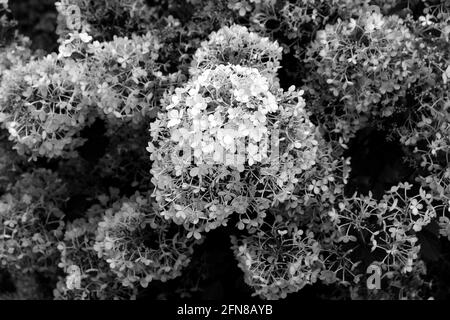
(85, 37)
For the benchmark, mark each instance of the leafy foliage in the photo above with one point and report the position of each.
(154, 127)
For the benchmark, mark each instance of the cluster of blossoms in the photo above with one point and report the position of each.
(139, 245)
(126, 75)
(87, 276)
(125, 80)
(387, 227)
(47, 102)
(366, 66)
(31, 222)
(102, 18)
(231, 45)
(226, 144)
(296, 245)
(43, 106)
(279, 260)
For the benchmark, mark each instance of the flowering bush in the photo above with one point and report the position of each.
(313, 134)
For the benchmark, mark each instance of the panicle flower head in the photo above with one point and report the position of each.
(237, 45)
(226, 140)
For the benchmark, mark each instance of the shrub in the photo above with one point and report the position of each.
(235, 146)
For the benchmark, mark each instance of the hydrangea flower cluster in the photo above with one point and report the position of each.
(47, 102)
(139, 245)
(43, 106)
(87, 276)
(278, 261)
(388, 226)
(238, 46)
(305, 217)
(126, 75)
(366, 64)
(124, 78)
(224, 123)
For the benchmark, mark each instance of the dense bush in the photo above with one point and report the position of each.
(148, 130)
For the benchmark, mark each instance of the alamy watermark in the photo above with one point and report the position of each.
(374, 280)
